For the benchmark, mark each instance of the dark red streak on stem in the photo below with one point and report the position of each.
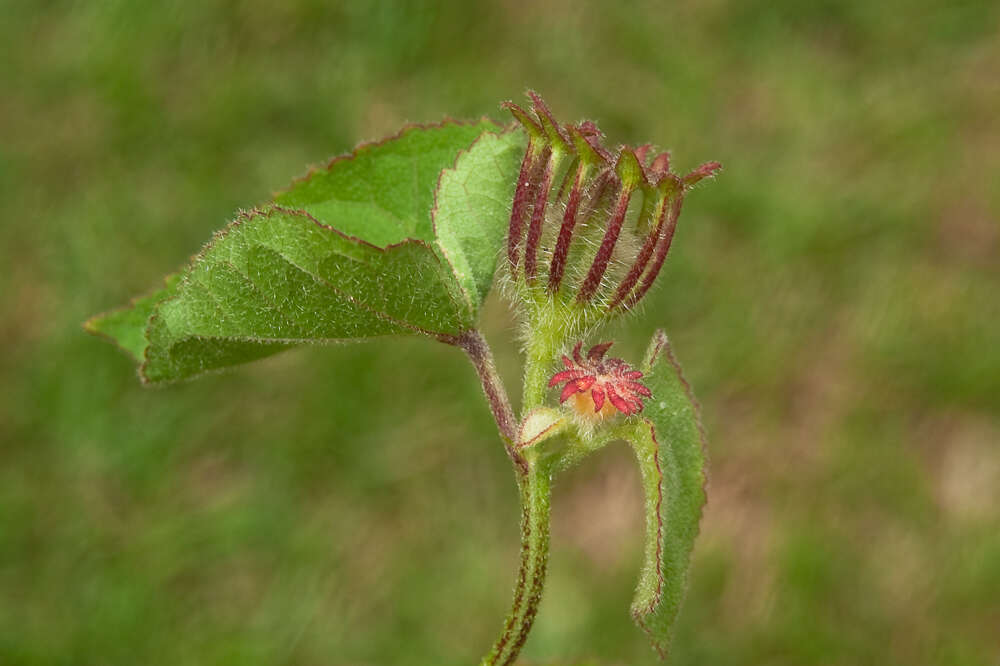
(658, 595)
(522, 575)
(538, 582)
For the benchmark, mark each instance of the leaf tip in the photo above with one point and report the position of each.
(92, 325)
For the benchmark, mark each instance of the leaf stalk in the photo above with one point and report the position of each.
(479, 352)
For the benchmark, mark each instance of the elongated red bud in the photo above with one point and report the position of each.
(629, 169)
(524, 194)
(590, 228)
(561, 251)
(537, 217)
(662, 248)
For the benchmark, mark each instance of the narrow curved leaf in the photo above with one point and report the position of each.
(668, 441)
(348, 252)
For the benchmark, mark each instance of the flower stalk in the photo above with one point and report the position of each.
(536, 495)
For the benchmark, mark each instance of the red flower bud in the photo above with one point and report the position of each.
(598, 385)
(588, 225)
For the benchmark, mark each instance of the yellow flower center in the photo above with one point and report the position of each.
(583, 403)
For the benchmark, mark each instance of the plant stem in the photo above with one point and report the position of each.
(552, 324)
(540, 351)
(535, 375)
(478, 349)
(536, 496)
(532, 480)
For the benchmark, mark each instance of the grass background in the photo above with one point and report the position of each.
(833, 295)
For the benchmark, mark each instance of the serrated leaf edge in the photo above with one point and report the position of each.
(246, 216)
(364, 146)
(434, 209)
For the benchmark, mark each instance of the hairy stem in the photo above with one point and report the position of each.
(532, 479)
(539, 356)
(536, 495)
(478, 349)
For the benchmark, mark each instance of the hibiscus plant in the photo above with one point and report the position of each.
(407, 236)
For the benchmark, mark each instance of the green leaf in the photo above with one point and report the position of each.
(277, 277)
(348, 252)
(126, 326)
(472, 210)
(383, 192)
(668, 441)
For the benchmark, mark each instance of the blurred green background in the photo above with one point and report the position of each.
(834, 296)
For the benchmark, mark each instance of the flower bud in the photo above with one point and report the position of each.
(600, 386)
(590, 228)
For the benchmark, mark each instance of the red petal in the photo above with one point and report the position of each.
(566, 376)
(585, 383)
(619, 402)
(634, 374)
(598, 396)
(598, 351)
(568, 390)
(568, 363)
(576, 353)
(640, 389)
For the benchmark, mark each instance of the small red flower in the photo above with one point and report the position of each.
(599, 385)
